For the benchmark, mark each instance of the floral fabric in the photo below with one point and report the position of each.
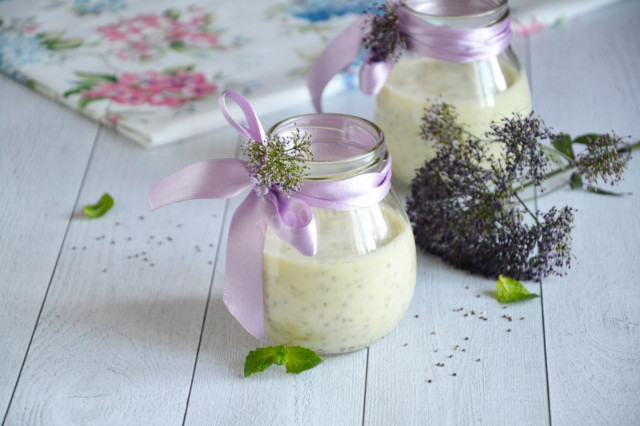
(153, 69)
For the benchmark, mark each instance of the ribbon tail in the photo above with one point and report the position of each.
(339, 53)
(243, 291)
(373, 75)
(221, 178)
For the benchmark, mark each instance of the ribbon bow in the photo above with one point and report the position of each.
(291, 218)
(421, 37)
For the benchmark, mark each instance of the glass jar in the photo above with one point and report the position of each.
(482, 91)
(358, 286)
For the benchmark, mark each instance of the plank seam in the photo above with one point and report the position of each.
(366, 378)
(53, 272)
(535, 198)
(206, 309)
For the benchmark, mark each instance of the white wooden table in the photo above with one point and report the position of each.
(120, 321)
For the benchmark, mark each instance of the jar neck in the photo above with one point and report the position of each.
(343, 145)
(458, 13)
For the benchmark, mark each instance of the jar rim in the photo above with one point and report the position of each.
(492, 14)
(341, 168)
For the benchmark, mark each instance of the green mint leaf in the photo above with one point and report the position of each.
(576, 181)
(263, 358)
(510, 290)
(100, 208)
(586, 138)
(300, 359)
(562, 142)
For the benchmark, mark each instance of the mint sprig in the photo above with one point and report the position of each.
(510, 290)
(296, 359)
(98, 209)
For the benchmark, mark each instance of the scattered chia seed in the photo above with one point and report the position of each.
(117, 223)
(113, 243)
(433, 332)
(84, 248)
(483, 318)
(439, 364)
(507, 317)
(466, 338)
(104, 270)
(179, 225)
(508, 330)
(466, 287)
(457, 309)
(449, 356)
(429, 381)
(73, 248)
(141, 218)
(478, 360)
(477, 295)
(210, 262)
(128, 238)
(406, 344)
(416, 316)
(145, 259)
(210, 244)
(152, 265)
(504, 307)
(151, 237)
(169, 239)
(454, 374)
(463, 350)
(521, 318)
(159, 243)
(466, 315)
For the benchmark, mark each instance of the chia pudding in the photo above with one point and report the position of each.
(353, 292)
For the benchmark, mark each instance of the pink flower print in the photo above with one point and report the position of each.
(145, 37)
(154, 88)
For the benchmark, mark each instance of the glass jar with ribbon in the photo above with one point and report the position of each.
(453, 51)
(327, 262)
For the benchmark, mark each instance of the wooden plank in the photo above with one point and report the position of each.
(446, 365)
(332, 393)
(44, 150)
(586, 76)
(118, 335)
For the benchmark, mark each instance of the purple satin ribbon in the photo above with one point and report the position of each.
(290, 218)
(434, 41)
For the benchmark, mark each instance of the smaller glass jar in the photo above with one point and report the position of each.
(482, 91)
(360, 283)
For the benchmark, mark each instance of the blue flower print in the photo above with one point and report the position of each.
(17, 50)
(95, 7)
(323, 10)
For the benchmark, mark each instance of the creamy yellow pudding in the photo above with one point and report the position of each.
(353, 292)
(481, 92)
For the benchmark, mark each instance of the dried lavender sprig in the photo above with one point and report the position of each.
(602, 159)
(280, 162)
(385, 40)
(464, 206)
